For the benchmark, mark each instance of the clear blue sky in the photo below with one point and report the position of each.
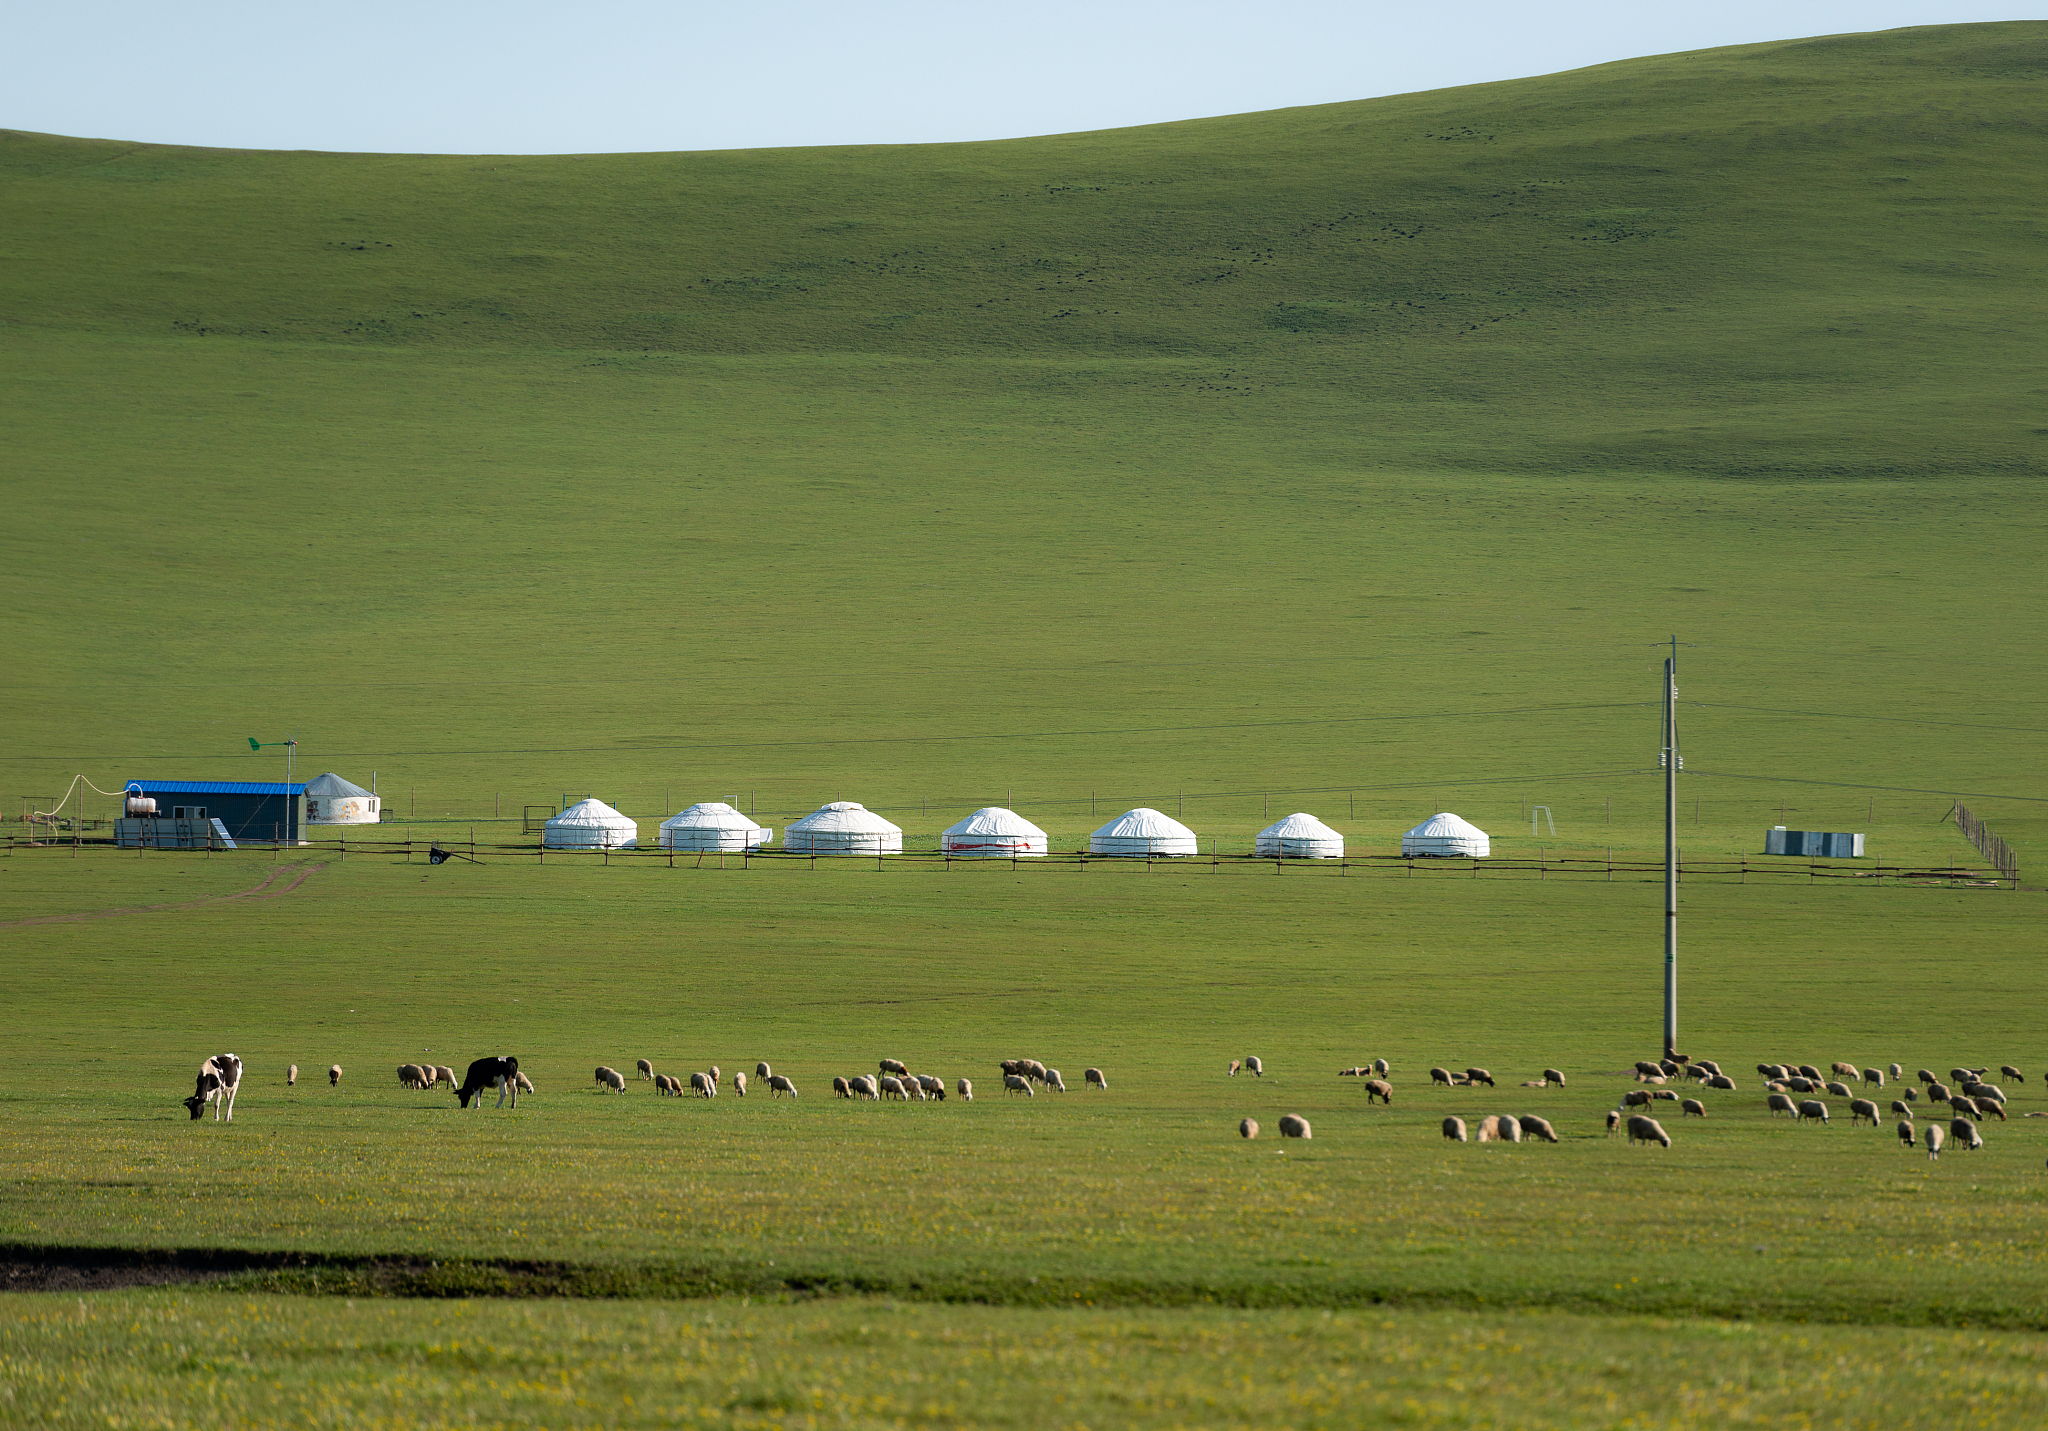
(455, 76)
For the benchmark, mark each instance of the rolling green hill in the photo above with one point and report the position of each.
(1098, 462)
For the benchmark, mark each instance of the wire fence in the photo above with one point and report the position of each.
(1604, 867)
(1988, 845)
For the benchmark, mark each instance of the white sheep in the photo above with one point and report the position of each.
(1846, 1070)
(411, 1075)
(1780, 1103)
(1906, 1132)
(334, 1075)
(1235, 1065)
(1932, 1136)
(1902, 1108)
(1510, 1128)
(1692, 1108)
(646, 1070)
(1836, 1089)
(934, 1087)
(445, 1074)
(524, 1083)
(1861, 1108)
(1488, 1130)
(1965, 1132)
(291, 1076)
(739, 1082)
(1812, 1109)
(1554, 1075)
(662, 1085)
(1293, 1125)
(840, 1087)
(1440, 1075)
(1647, 1130)
(1054, 1081)
(1535, 1127)
(762, 1070)
(1381, 1067)
(1255, 1068)
(611, 1078)
(1249, 1128)
(895, 1066)
(1454, 1129)
(863, 1086)
(1092, 1078)
(1874, 1077)
(1018, 1083)
(892, 1086)
(1898, 1071)
(702, 1087)
(1379, 1088)
(966, 1087)
(778, 1084)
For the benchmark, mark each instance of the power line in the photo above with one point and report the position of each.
(1857, 785)
(1888, 720)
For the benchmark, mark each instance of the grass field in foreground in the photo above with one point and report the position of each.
(179, 1358)
(1141, 1195)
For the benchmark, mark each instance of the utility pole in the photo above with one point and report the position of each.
(1669, 760)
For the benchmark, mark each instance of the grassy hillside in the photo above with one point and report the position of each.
(1309, 451)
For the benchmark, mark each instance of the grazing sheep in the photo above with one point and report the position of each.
(701, 1086)
(1093, 1078)
(1721, 1082)
(1957, 1103)
(891, 1084)
(664, 1086)
(445, 1074)
(1812, 1109)
(1901, 1108)
(1926, 1076)
(1779, 1103)
(1033, 1069)
(1552, 1075)
(1776, 1087)
(1381, 1068)
(291, 1076)
(1696, 1072)
(1258, 1070)
(1489, 1129)
(1861, 1108)
(1440, 1075)
(1769, 1070)
(777, 1083)
(1898, 1071)
(521, 1082)
(334, 1075)
(1836, 1089)
(646, 1070)
(739, 1082)
(1906, 1132)
(934, 1087)
(1054, 1081)
(1379, 1088)
(1965, 1132)
(1799, 1085)
(1479, 1075)
(1249, 1128)
(762, 1070)
(1982, 1091)
(1613, 1120)
(1692, 1108)
(1708, 1064)
(840, 1087)
(1845, 1070)
(1991, 1106)
(611, 1078)
(1647, 1130)
(1874, 1077)
(1912, 1095)
(1664, 1093)
(1017, 1083)
(1293, 1125)
(965, 1088)
(1937, 1093)
(1535, 1127)
(2013, 1073)
(1964, 1075)
(1932, 1136)
(411, 1075)
(863, 1086)
(893, 1065)
(1509, 1129)
(1454, 1129)
(1807, 1070)
(1644, 1068)
(1636, 1098)
(1235, 1065)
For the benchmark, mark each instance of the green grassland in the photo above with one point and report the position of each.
(1350, 458)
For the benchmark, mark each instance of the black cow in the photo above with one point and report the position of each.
(220, 1077)
(487, 1073)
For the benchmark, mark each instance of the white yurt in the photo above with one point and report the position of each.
(1141, 832)
(1301, 836)
(331, 800)
(1445, 834)
(713, 825)
(842, 828)
(996, 832)
(590, 825)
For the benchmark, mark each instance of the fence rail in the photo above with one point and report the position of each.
(1604, 867)
(1988, 845)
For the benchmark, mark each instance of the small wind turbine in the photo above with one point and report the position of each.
(289, 747)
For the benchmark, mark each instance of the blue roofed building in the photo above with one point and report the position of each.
(194, 813)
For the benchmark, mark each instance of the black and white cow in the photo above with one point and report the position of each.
(219, 1079)
(487, 1073)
